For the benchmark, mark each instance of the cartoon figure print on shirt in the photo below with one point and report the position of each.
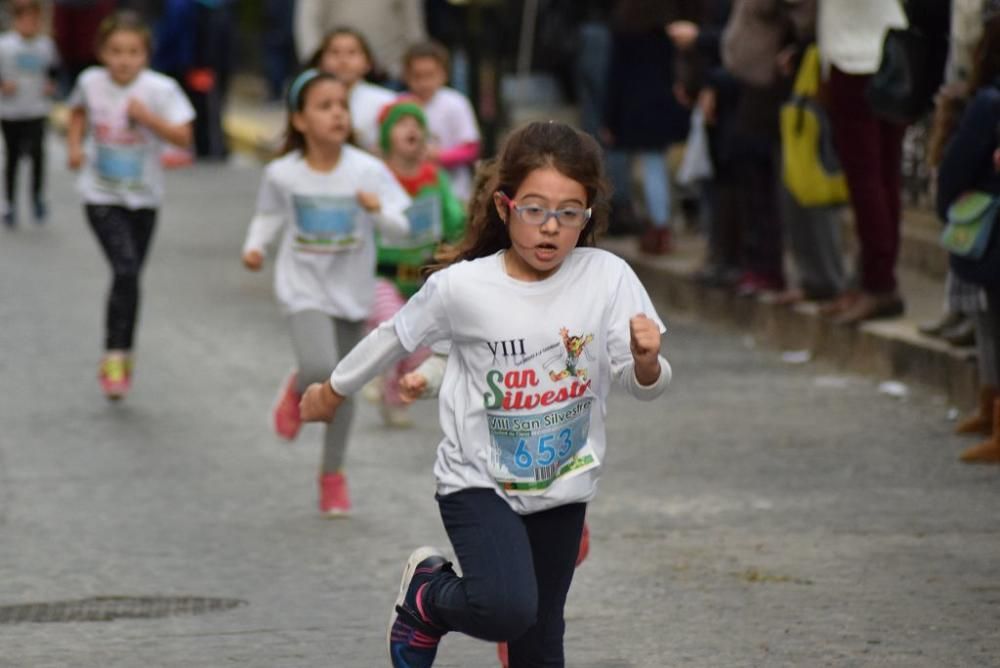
(574, 348)
(538, 422)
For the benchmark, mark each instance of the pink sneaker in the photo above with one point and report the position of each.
(334, 499)
(285, 413)
(114, 376)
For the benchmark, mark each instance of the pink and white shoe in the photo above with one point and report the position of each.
(334, 499)
(115, 376)
(285, 414)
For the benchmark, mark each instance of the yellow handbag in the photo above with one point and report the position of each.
(811, 170)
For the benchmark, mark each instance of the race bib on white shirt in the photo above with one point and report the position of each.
(426, 226)
(326, 224)
(119, 166)
(539, 415)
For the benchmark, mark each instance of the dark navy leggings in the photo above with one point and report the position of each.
(24, 138)
(516, 572)
(124, 235)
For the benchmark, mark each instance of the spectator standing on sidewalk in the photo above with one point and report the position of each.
(971, 162)
(702, 82)
(757, 32)
(850, 35)
(812, 210)
(194, 45)
(279, 46)
(28, 65)
(642, 118)
(962, 299)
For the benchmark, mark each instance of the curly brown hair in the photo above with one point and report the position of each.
(573, 153)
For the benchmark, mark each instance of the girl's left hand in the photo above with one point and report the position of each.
(319, 403)
(645, 345)
(369, 201)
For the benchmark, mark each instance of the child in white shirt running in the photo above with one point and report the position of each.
(346, 54)
(28, 62)
(540, 325)
(454, 132)
(130, 113)
(325, 198)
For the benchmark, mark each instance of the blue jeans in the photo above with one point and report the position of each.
(516, 572)
(655, 182)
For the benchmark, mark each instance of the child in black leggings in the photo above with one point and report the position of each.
(128, 114)
(27, 69)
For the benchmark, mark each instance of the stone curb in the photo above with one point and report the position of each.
(890, 349)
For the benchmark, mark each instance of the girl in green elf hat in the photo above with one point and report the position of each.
(436, 216)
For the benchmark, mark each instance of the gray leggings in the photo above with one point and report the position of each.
(320, 341)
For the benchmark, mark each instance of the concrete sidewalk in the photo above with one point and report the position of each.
(889, 349)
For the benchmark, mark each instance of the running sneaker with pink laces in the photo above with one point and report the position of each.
(411, 639)
(285, 414)
(334, 499)
(114, 376)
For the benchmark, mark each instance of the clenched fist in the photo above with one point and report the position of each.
(253, 260)
(644, 336)
(412, 386)
(369, 201)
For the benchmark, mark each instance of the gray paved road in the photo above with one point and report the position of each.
(755, 517)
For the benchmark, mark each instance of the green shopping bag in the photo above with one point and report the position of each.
(971, 219)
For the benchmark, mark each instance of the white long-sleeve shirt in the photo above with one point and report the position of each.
(326, 261)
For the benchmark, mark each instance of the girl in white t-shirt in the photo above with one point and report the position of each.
(540, 324)
(346, 54)
(325, 199)
(127, 114)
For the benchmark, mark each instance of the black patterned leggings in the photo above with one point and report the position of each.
(124, 235)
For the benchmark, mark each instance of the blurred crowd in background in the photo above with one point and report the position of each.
(793, 115)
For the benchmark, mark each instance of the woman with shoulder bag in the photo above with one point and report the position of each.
(968, 197)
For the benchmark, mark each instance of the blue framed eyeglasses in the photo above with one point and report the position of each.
(536, 216)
